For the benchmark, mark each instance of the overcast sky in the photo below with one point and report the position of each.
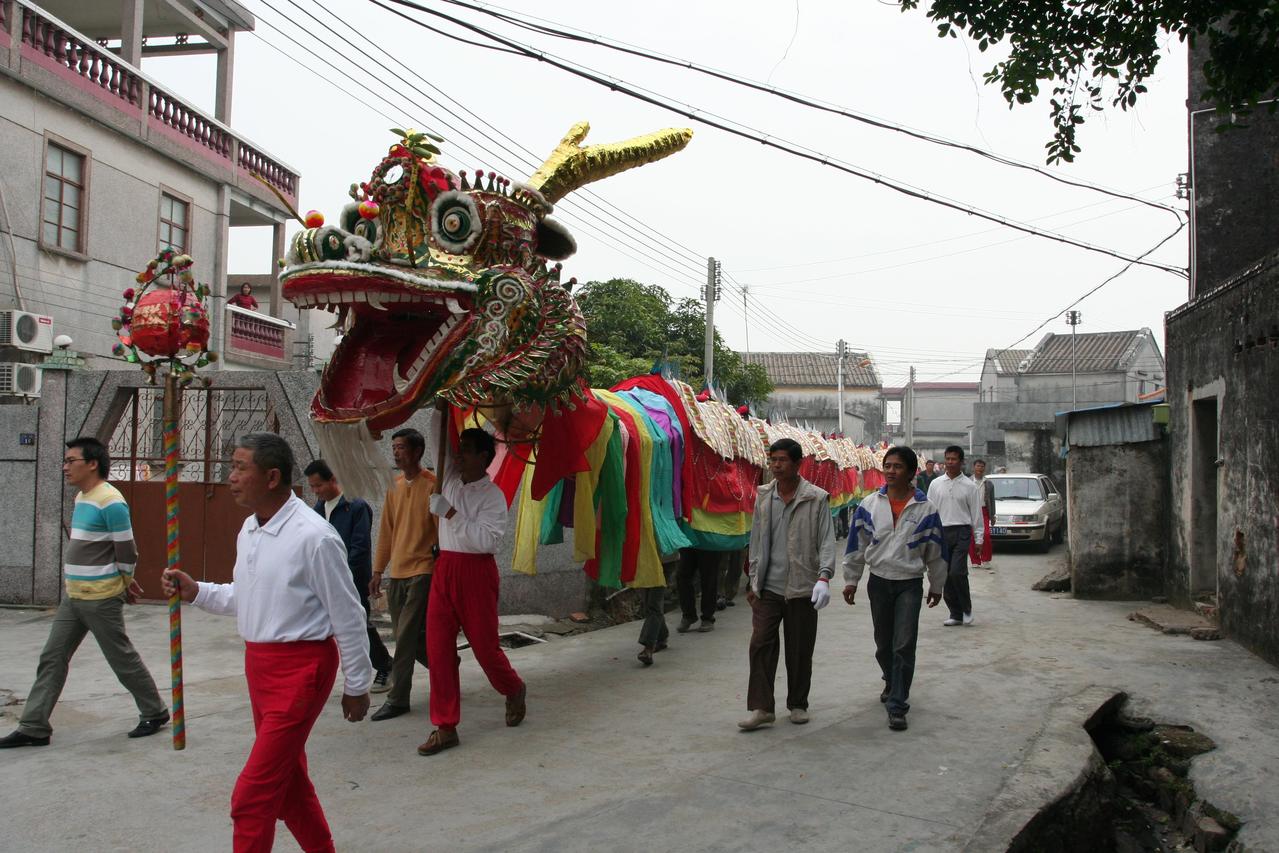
(823, 255)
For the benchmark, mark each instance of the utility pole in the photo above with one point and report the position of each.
(1072, 320)
(746, 320)
(841, 350)
(908, 416)
(712, 296)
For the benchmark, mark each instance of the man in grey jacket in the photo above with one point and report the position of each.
(898, 533)
(792, 559)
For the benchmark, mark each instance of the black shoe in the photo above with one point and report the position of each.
(388, 711)
(146, 728)
(720, 603)
(883, 694)
(19, 739)
(730, 603)
(646, 656)
(897, 722)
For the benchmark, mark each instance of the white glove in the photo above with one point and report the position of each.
(440, 506)
(821, 594)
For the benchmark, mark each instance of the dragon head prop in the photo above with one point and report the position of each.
(445, 285)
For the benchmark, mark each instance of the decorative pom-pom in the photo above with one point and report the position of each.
(369, 209)
(128, 294)
(314, 219)
(117, 350)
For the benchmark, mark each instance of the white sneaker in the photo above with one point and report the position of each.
(755, 720)
(968, 618)
(798, 716)
(951, 623)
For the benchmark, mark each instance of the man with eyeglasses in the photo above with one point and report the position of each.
(99, 579)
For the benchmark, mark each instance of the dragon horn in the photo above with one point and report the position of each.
(571, 166)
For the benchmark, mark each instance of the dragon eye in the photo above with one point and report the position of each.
(393, 175)
(456, 222)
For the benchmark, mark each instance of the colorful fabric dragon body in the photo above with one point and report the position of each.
(445, 288)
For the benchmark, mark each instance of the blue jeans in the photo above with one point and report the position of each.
(894, 611)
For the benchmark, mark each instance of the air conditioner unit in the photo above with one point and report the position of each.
(27, 331)
(20, 380)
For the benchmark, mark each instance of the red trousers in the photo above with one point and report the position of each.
(986, 552)
(464, 594)
(288, 686)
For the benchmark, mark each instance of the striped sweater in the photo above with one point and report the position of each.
(101, 556)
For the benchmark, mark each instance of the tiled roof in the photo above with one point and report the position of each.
(1098, 352)
(814, 369)
(1007, 360)
(934, 386)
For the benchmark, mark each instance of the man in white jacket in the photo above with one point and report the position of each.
(897, 533)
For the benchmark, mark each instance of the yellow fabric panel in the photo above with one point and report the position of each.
(584, 521)
(648, 567)
(528, 522)
(725, 523)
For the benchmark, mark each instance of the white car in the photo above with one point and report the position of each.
(1028, 508)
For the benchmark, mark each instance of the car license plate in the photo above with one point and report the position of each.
(999, 531)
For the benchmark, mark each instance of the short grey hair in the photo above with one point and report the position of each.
(270, 451)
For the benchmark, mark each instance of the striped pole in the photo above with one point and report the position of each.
(174, 557)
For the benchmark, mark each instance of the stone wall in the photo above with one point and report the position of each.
(1117, 510)
(1223, 360)
(1032, 448)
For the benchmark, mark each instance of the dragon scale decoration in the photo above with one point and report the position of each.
(445, 285)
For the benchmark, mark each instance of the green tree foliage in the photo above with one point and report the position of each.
(632, 326)
(1099, 50)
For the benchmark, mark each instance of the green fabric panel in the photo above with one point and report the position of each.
(552, 532)
(714, 541)
(612, 489)
(670, 538)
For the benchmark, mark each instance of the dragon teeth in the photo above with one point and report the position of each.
(454, 306)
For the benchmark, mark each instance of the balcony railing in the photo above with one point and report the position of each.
(92, 69)
(257, 335)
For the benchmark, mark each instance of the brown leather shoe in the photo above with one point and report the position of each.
(515, 707)
(440, 740)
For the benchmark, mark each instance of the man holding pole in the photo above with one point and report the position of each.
(298, 613)
(472, 512)
(99, 576)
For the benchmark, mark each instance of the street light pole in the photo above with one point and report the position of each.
(712, 296)
(1072, 320)
(841, 349)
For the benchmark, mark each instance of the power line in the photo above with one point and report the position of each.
(659, 265)
(755, 135)
(632, 50)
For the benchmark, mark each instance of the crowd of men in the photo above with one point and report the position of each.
(304, 577)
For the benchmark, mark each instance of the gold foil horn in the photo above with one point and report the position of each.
(571, 166)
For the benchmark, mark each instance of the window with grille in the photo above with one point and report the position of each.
(62, 211)
(175, 218)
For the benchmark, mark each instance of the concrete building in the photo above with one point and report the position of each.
(806, 392)
(101, 166)
(942, 414)
(1223, 363)
(1028, 388)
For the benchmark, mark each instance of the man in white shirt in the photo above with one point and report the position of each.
(472, 515)
(297, 611)
(958, 502)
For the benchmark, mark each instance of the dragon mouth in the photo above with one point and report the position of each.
(400, 328)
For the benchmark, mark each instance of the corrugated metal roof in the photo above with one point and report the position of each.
(1118, 424)
(814, 369)
(1097, 352)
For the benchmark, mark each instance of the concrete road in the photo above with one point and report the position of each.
(618, 757)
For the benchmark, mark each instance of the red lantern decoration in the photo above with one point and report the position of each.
(167, 322)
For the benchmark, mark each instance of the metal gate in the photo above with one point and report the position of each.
(210, 422)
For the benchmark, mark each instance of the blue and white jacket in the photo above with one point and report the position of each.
(896, 552)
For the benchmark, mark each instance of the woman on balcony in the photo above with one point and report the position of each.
(244, 299)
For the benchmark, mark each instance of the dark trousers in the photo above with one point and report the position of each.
(378, 655)
(798, 621)
(654, 631)
(954, 550)
(732, 574)
(894, 611)
(706, 566)
(407, 599)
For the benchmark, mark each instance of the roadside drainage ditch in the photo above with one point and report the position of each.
(1137, 798)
